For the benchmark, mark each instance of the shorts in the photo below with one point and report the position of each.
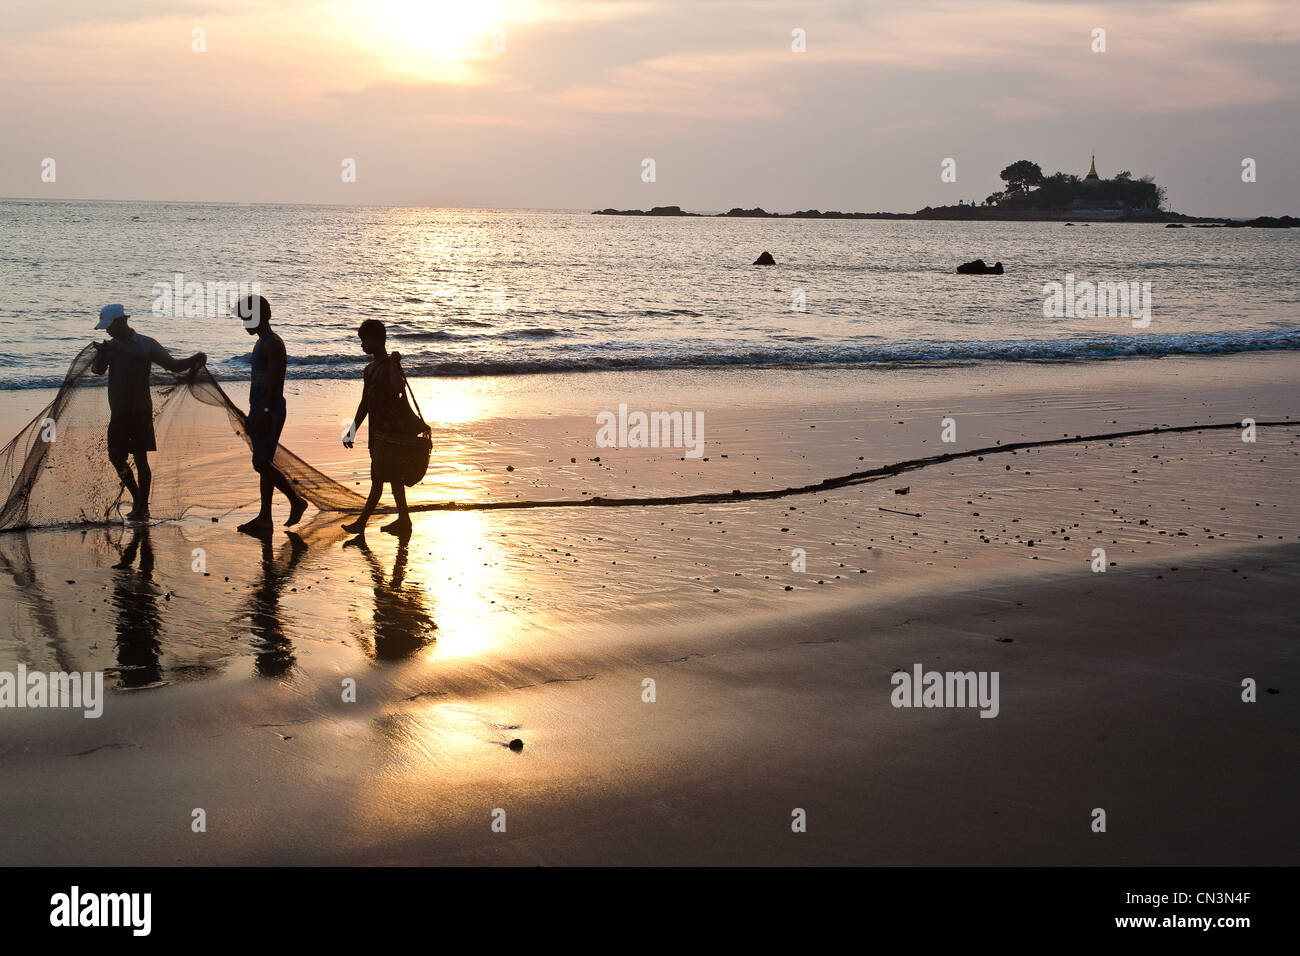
(264, 444)
(130, 434)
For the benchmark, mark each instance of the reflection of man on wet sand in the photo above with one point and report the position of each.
(262, 614)
(275, 650)
(403, 622)
(135, 599)
(16, 561)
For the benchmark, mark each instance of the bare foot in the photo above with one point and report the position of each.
(258, 525)
(400, 526)
(296, 508)
(355, 527)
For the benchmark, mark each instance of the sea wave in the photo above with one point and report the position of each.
(619, 356)
(651, 355)
(900, 353)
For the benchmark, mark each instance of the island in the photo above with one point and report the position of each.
(1027, 196)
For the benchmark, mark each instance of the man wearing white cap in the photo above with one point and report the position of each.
(128, 357)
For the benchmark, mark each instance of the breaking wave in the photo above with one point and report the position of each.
(539, 357)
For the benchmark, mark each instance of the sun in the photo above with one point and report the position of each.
(437, 36)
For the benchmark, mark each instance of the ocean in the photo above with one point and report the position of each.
(504, 292)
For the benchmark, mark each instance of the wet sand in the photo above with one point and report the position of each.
(1119, 690)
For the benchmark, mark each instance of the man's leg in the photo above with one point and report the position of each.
(118, 460)
(266, 475)
(141, 509)
(372, 502)
(267, 487)
(297, 503)
(403, 522)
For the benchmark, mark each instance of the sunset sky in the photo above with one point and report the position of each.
(563, 116)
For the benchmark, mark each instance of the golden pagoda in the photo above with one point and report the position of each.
(1092, 176)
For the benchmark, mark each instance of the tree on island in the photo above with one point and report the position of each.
(1028, 189)
(1021, 176)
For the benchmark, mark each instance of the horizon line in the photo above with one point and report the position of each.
(719, 214)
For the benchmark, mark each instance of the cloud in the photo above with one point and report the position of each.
(585, 89)
(34, 16)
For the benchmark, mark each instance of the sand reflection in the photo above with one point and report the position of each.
(138, 617)
(403, 620)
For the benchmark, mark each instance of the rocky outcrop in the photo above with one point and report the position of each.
(979, 268)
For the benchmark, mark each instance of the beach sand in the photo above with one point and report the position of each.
(1119, 690)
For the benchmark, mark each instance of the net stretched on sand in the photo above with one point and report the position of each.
(56, 470)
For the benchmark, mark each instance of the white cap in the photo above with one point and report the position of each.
(110, 314)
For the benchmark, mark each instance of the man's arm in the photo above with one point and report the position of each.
(100, 365)
(164, 358)
(362, 409)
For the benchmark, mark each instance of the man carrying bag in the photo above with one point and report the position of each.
(400, 442)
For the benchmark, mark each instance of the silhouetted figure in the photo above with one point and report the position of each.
(135, 599)
(383, 400)
(128, 356)
(274, 656)
(403, 622)
(16, 561)
(267, 411)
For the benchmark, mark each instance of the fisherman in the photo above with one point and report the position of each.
(127, 357)
(266, 412)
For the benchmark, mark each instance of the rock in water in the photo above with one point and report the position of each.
(765, 259)
(980, 268)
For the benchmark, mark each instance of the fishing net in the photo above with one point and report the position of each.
(56, 469)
